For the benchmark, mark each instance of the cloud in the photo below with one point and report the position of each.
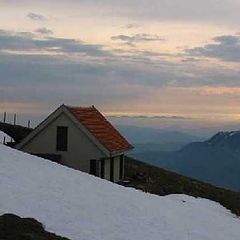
(137, 68)
(53, 70)
(208, 11)
(26, 41)
(157, 10)
(130, 26)
(137, 38)
(44, 31)
(225, 47)
(150, 117)
(51, 80)
(36, 17)
(220, 91)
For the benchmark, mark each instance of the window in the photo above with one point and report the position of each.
(62, 139)
(112, 169)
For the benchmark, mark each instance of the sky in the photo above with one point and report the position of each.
(152, 63)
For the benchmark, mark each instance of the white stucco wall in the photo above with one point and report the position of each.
(107, 169)
(116, 160)
(80, 148)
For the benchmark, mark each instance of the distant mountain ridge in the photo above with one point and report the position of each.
(230, 140)
(152, 135)
(216, 160)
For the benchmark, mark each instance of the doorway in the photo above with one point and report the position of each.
(93, 167)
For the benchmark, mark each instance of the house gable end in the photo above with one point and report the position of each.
(40, 127)
(51, 118)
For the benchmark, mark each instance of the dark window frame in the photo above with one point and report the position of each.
(62, 139)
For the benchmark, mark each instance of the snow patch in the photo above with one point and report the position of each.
(82, 207)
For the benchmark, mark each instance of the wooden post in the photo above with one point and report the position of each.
(4, 140)
(4, 117)
(148, 183)
(15, 119)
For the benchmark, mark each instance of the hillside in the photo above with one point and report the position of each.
(216, 160)
(158, 181)
(79, 206)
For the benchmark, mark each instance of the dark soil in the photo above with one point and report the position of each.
(13, 227)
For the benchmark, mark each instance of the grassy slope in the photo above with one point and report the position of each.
(159, 181)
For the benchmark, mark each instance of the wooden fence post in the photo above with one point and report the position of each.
(4, 117)
(14, 119)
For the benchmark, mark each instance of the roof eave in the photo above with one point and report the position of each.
(122, 151)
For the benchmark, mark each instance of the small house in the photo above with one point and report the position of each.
(80, 138)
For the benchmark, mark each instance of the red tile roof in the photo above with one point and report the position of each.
(102, 130)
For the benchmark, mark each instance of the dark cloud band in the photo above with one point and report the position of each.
(36, 17)
(137, 38)
(225, 47)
